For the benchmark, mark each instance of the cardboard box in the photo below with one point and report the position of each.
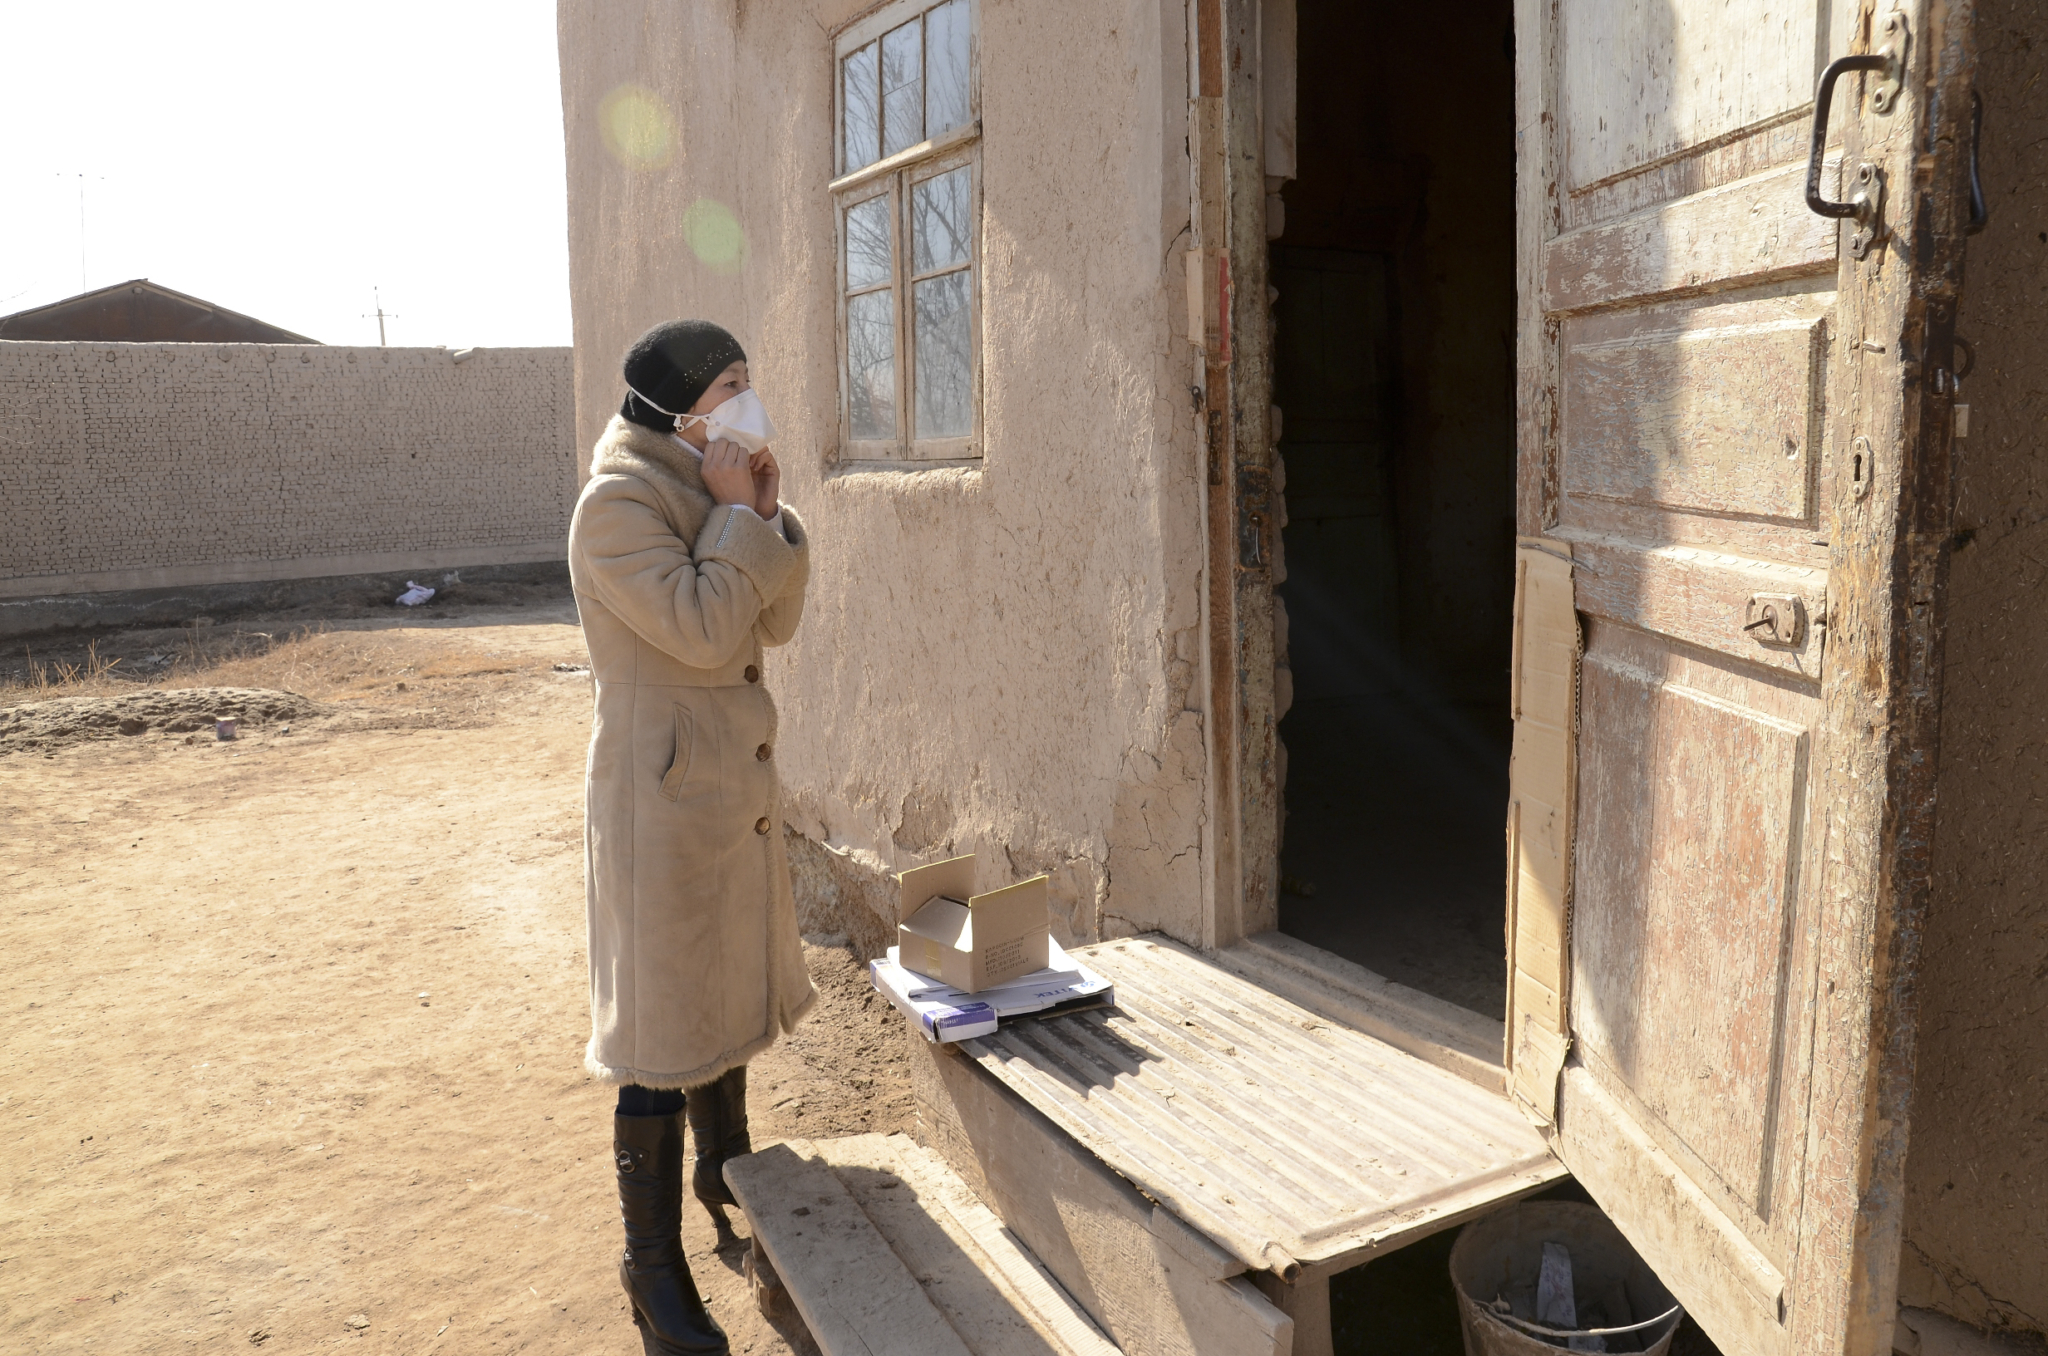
(972, 942)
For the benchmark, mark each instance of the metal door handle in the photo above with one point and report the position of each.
(1980, 212)
(1864, 204)
(1861, 205)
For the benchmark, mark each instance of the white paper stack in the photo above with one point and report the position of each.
(944, 1013)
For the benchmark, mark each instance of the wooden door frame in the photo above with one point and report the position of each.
(1881, 695)
(1227, 279)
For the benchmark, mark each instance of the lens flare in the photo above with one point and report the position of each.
(638, 129)
(714, 235)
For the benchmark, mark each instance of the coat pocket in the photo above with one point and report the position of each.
(679, 766)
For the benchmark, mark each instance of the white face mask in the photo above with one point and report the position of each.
(742, 419)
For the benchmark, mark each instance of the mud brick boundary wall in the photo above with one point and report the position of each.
(148, 466)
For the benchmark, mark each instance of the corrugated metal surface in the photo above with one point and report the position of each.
(1287, 1136)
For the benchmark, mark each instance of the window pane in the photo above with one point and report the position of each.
(902, 90)
(867, 243)
(861, 113)
(945, 67)
(945, 357)
(939, 222)
(871, 364)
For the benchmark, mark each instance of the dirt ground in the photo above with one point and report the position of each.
(295, 1022)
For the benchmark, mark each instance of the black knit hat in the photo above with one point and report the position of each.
(671, 366)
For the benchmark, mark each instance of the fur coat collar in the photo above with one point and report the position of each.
(675, 476)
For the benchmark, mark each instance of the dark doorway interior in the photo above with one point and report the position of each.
(1394, 371)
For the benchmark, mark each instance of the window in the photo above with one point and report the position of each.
(908, 201)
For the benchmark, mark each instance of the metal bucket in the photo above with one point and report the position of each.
(1619, 1304)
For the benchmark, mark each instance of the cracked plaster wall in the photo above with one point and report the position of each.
(1001, 658)
(1977, 1166)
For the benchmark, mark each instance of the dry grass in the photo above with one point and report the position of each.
(496, 664)
(347, 665)
(312, 660)
(366, 667)
(93, 674)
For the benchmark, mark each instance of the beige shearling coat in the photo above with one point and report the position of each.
(695, 963)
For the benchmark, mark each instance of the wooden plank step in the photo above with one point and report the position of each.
(882, 1248)
(1155, 1286)
(854, 1293)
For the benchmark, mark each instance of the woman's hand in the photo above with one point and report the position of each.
(767, 484)
(726, 474)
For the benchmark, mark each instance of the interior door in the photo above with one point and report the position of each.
(1733, 511)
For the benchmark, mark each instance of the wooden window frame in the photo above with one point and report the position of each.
(894, 177)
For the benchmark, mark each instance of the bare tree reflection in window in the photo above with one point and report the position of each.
(867, 243)
(945, 68)
(939, 224)
(945, 366)
(902, 89)
(862, 118)
(871, 365)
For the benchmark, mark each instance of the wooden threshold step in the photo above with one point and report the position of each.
(1247, 1093)
(883, 1249)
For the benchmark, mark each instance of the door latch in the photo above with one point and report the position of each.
(1255, 500)
(1777, 620)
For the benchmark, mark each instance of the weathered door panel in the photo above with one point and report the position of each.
(1708, 407)
(1689, 966)
(1734, 430)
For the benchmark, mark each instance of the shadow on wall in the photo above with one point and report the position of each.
(325, 598)
(839, 901)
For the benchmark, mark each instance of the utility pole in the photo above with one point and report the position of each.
(382, 315)
(81, 226)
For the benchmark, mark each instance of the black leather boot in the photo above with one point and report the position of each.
(718, 1125)
(656, 1275)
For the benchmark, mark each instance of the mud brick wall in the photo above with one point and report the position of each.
(138, 465)
(1976, 1244)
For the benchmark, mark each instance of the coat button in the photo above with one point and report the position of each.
(761, 824)
(763, 752)
(753, 674)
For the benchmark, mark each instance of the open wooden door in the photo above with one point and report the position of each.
(1734, 509)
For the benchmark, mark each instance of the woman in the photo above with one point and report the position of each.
(685, 564)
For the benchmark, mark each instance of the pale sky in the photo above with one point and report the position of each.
(283, 159)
